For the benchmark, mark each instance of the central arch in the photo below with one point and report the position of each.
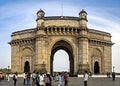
(67, 47)
(61, 61)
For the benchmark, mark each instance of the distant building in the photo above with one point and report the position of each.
(88, 49)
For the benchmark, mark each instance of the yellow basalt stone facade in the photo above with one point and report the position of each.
(88, 49)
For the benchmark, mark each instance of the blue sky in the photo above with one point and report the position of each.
(18, 15)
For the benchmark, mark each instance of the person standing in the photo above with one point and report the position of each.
(113, 76)
(15, 78)
(56, 77)
(33, 78)
(37, 79)
(85, 78)
(59, 79)
(41, 83)
(24, 78)
(28, 79)
(8, 78)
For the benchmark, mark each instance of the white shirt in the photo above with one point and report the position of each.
(41, 80)
(34, 75)
(86, 77)
(24, 76)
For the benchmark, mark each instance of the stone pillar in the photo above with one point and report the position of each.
(83, 43)
(41, 50)
(39, 53)
(15, 59)
(83, 52)
(107, 67)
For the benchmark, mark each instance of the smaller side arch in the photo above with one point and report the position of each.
(96, 61)
(96, 67)
(26, 67)
(27, 59)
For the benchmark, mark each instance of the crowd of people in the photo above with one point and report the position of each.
(43, 79)
(46, 79)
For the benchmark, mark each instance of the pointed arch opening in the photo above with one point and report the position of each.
(96, 68)
(61, 61)
(67, 48)
(26, 67)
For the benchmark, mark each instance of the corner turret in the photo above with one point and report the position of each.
(40, 14)
(83, 19)
(40, 18)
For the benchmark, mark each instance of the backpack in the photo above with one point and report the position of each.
(14, 77)
(47, 80)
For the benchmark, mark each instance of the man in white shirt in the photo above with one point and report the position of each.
(85, 78)
(41, 82)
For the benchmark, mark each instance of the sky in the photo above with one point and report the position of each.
(16, 15)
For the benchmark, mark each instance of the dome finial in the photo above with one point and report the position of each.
(83, 11)
(40, 13)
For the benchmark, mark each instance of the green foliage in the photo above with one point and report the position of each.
(5, 70)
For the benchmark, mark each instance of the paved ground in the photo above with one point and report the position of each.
(74, 81)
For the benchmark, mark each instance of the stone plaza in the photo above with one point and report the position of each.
(74, 81)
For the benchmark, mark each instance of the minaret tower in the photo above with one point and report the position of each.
(40, 13)
(40, 18)
(83, 19)
(41, 42)
(83, 43)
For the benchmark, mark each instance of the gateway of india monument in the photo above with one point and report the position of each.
(88, 49)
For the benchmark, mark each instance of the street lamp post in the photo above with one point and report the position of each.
(113, 68)
(8, 69)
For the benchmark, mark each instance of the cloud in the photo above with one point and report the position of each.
(20, 16)
(106, 22)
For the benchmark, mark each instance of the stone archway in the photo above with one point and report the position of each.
(67, 47)
(96, 68)
(26, 67)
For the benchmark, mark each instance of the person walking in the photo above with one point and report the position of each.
(15, 78)
(66, 78)
(48, 80)
(85, 78)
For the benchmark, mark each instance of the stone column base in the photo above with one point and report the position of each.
(40, 68)
(83, 68)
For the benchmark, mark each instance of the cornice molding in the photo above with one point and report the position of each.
(101, 42)
(22, 41)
